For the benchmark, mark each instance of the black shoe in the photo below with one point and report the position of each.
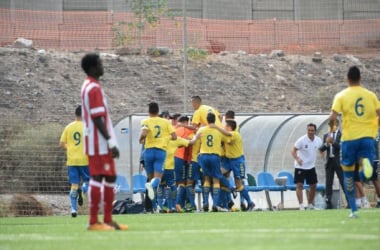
(251, 206)
(205, 208)
(74, 214)
(243, 207)
(80, 197)
(328, 205)
(378, 204)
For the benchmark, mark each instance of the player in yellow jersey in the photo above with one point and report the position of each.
(168, 179)
(156, 132)
(209, 160)
(360, 109)
(77, 161)
(234, 159)
(201, 111)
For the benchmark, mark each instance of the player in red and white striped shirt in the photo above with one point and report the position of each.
(100, 145)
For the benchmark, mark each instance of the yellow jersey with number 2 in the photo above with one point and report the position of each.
(159, 131)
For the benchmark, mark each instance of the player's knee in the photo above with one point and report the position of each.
(85, 187)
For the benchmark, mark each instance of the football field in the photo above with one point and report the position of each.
(292, 229)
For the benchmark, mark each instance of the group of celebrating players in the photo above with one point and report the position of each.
(177, 154)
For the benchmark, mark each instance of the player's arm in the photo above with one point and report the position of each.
(222, 130)
(192, 126)
(63, 140)
(63, 144)
(195, 138)
(99, 124)
(333, 116)
(173, 136)
(143, 134)
(378, 116)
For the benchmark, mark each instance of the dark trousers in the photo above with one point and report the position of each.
(332, 166)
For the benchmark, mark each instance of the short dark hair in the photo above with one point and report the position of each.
(211, 118)
(232, 124)
(196, 98)
(353, 74)
(230, 114)
(176, 116)
(78, 111)
(166, 114)
(153, 108)
(183, 118)
(312, 125)
(89, 61)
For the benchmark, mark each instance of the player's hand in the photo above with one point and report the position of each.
(299, 161)
(115, 152)
(113, 146)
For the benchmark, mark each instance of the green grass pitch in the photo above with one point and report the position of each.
(278, 230)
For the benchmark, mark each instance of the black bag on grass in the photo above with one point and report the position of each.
(127, 206)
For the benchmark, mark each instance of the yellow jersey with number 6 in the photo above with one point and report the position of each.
(358, 107)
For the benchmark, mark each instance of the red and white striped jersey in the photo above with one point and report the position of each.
(94, 104)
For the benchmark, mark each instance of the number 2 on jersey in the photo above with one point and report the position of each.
(158, 131)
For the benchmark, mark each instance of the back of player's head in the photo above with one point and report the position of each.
(210, 118)
(176, 116)
(183, 119)
(231, 124)
(78, 111)
(196, 98)
(353, 74)
(89, 61)
(153, 108)
(165, 114)
(230, 114)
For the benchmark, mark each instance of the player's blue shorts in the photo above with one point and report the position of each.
(210, 164)
(353, 150)
(236, 165)
(154, 159)
(194, 172)
(78, 174)
(180, 167)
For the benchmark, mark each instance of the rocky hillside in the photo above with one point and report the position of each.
(45, 85)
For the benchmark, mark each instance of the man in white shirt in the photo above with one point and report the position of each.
(304, 153)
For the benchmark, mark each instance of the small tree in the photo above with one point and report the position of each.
(146, 12)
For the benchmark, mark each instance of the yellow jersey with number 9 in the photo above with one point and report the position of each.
(358, 107)
(72, 136)
(159, 132)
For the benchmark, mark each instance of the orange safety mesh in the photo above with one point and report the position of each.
(89, 30)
